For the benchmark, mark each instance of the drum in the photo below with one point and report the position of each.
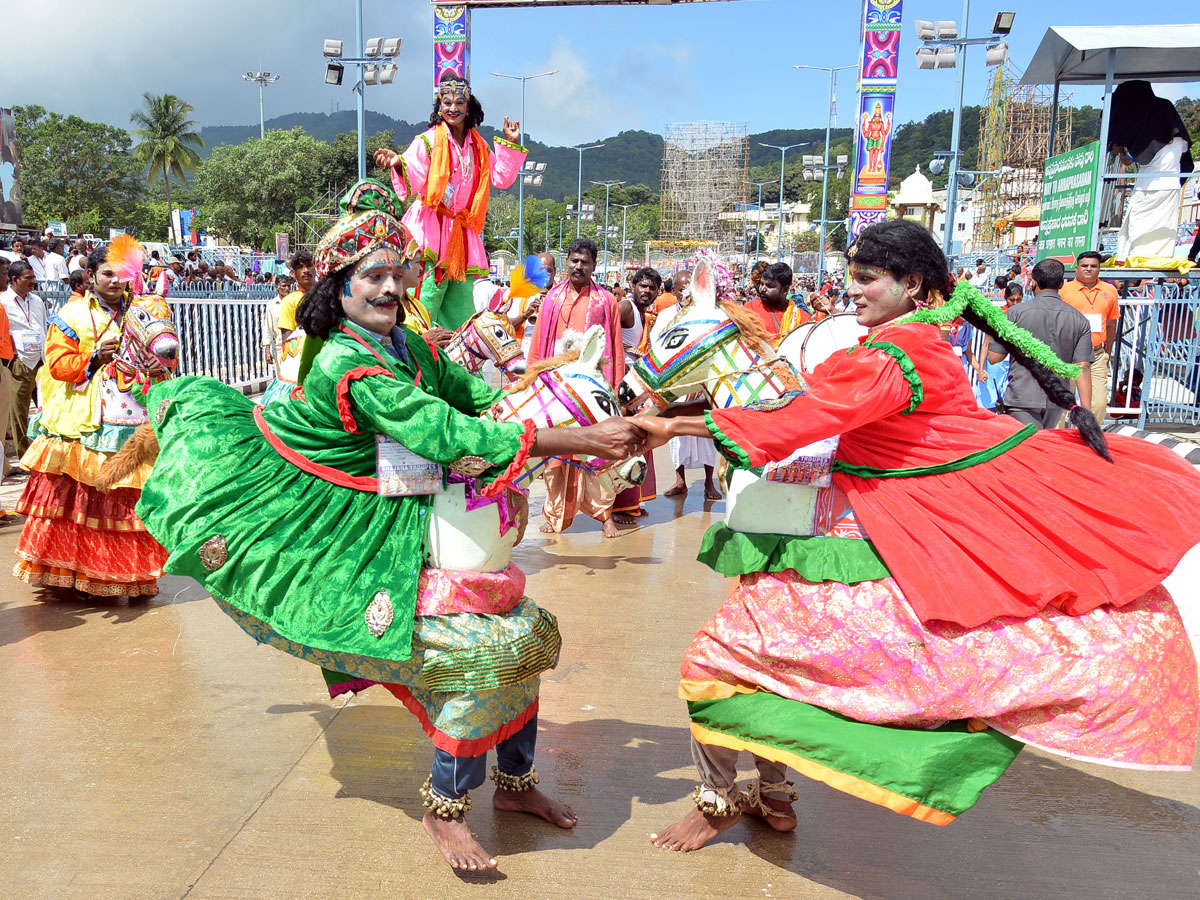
(822, 340)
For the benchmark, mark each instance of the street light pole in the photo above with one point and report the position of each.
(625, 207)
(361, 89)
(952, 184)
(832, 70)
(521, 180)
(579, 202)
(782, 167)
(608, 186)
(758, 236)
(261, 79)
(547, 229)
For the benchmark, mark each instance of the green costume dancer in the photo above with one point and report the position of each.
(287, 516)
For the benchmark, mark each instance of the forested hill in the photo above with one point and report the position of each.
(636, 156)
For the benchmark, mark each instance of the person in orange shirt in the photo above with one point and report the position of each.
(677, 287)
(779, 315)
(1097, 300)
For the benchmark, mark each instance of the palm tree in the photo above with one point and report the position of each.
(168, 143)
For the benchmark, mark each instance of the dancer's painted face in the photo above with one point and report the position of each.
(878, 296)
(371, 297)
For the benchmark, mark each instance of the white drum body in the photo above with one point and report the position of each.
(466, 541)
(840, 332)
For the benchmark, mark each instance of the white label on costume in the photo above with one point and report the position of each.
(810, 465)
(403, 473)
(958, 351)
(27, 341)
(448, 195)
(1096, 321)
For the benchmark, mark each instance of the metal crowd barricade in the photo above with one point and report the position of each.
(1157, 353)
(220, 330)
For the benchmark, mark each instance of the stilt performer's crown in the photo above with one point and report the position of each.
(452, 87)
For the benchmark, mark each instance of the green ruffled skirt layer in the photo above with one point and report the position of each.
(302, 555)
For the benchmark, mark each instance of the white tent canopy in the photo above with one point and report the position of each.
(1077, 54)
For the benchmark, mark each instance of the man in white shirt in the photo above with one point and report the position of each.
(981, 279)
(33, 255)
(78, 258)
(27, 323)
(169, 277)
(55, 263)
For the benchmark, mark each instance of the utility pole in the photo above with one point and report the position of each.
(262, 79)
(625, 207)
(579, 208)
(608, 186)
(521, 180)
(782, 166)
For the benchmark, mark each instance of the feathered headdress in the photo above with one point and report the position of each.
(125, 256)
(528, 279)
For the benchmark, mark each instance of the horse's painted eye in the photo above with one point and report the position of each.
(499, 333)
(604, 401)
(674, 338)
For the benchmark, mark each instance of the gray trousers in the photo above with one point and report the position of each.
(1042, 418)
(718, 769)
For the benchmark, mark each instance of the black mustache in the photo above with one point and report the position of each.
(384, 298)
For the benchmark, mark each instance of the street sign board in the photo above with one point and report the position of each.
(1068, 202)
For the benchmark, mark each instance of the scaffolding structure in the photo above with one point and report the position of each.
(312, 224)
(1014, 135)
(705, 169)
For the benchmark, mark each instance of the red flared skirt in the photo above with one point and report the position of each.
(79, 537)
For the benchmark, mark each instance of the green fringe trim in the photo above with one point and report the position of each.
(510, 144)
(966, 294)
(729, 448)
(907, 369)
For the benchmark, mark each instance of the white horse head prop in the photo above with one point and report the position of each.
(488, 337)
(466, 534)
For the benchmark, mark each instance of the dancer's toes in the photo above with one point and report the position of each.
(693, 831)
(457, 845)
(535, 803)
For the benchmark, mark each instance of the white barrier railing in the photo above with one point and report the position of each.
(222, 338)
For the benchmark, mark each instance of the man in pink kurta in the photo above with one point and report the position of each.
(446, 223)
(576, 305)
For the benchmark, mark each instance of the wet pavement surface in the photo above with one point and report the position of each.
(154, 751)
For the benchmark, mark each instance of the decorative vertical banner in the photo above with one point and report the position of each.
(10, 170)
(451, 41)
(874, 124)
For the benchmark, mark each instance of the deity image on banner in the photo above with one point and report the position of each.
(873, 131)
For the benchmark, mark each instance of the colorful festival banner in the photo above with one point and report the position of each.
(451, 41)
(874, 124)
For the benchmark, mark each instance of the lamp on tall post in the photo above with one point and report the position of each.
(940, 48)
(521, 182)
(369, 72)
(262, 79)
(608, 186)
(579, 209)
(625, 207)
(782, 168)
(758, 235)
(832, 70)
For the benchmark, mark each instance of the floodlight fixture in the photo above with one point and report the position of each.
(937, 165)
(374, 46)
(926, 58)
(1003, 23)
(808, 175)
(925, 30)
(947, 29)
(387, 74)
(391, 47)
(945, 57)
(371, 74)
(333, 73)
(843, 159)
(810, 160)
(966, 179)
(996, 54)
(333, 49)
(541, 167)
(535, 180)
(249, 76)
(818, 174)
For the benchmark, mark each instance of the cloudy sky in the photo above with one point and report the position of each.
(618, 67)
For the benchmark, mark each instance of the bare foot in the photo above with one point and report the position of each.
(535, 803)
(693, 831)
(456, 843)
(677, 490)
(624, 519)
(974, 726)
(785, 822)
(546, 528)
(711, 492)
(610, 528)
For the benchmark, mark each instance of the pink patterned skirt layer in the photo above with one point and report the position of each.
(1114, 686)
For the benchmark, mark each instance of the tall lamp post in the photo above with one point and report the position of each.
(832, 70)
(579, 209)
(521, 183)
(608, 186)
(262, 79)
(625, 208)
(782, 165)
(532, 174)
(758, 236)
(940, 46)
(369, 72)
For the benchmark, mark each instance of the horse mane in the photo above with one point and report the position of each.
(537, 368)
(747, 323)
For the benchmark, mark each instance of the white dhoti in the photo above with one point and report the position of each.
(1152, 216)
(693, 452)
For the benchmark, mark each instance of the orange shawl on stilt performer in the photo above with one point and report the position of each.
(473, 215)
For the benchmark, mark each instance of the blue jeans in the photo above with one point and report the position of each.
(453, 775)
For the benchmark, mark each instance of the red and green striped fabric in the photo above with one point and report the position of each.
(933, 776)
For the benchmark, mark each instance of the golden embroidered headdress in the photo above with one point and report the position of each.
(370, 220)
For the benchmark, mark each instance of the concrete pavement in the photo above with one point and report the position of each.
(154, 751)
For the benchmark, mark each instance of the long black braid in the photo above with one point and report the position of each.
(905, 248)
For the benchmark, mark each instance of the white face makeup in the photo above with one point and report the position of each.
(371, 296)
(878, 297)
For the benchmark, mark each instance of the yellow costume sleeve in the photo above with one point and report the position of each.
(287, 310)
